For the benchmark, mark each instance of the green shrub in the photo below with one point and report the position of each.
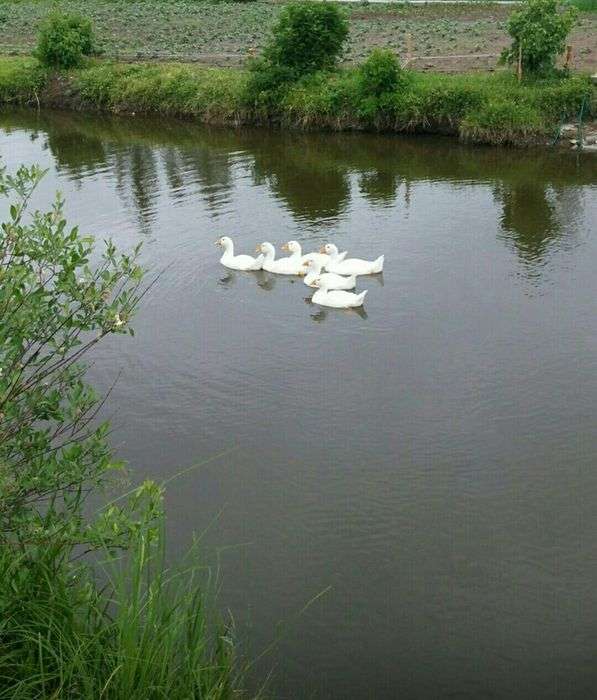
(268, 83)
(565, 98)
(64, 39)
(53, 309)
(380, 74)
(309, 36)
(539, 31)
(117, 625)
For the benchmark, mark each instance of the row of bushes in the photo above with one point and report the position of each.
(310, 36)
(376, 96)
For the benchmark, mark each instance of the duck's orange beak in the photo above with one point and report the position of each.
(322, 249)
(285, 246)
(258, 249)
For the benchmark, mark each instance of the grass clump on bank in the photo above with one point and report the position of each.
(88, 608)
(21, 80)
(145, 632)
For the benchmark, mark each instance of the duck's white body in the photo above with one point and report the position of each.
(332, 280)
(237, 262)
(283, 266)
(337, 299)
(295, 250)
(352, 266)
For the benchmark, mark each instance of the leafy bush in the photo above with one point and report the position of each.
(268, 83)
(53, 309)
(539, 32)
(64, 39)
(381, 73)
(129, 627)
(564, 98)
(308, 37)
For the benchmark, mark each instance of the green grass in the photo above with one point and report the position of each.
(211, 94)
(585, 5)
(480, 108)
(21, 80)
(145, 632)
(483, 109)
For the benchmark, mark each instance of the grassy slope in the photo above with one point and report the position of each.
(484, 109)
(223, 33)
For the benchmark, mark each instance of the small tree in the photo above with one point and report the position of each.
(380, 74)
(64, 40)
(539, 32)
(308, 37)
(55, 305)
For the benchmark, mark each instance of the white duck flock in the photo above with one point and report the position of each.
(330, 286)
(337, 299)
(237, 262)
(352, 266)
(292, 265)
(314, 271)
(295, 250)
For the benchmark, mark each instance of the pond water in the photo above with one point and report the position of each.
(430, 465)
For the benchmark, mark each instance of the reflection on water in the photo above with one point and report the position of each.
(429, 460)
(310, 174)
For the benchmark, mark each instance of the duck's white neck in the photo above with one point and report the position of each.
(315, 268)
(269, 253)
(334, 254)
(228, 250)
(298, 253)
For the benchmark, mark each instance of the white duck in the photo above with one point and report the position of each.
(333, 281)
(337, 299)
(352, 266)
(295, 250)
(283, 266)
(237, 262)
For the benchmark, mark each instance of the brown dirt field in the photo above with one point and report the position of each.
(449, 38)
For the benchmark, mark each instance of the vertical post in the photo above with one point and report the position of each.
(409, 48)
(519, 67)
(568, 56)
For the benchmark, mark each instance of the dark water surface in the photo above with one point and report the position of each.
(433, 461)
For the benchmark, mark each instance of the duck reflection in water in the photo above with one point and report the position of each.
(263, 279)
(323, 313)
(228, 279)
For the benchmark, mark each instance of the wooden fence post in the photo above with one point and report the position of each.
(409, 48)
(519, 71)
(568, 60)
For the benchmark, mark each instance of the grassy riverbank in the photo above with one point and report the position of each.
(492, 109)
